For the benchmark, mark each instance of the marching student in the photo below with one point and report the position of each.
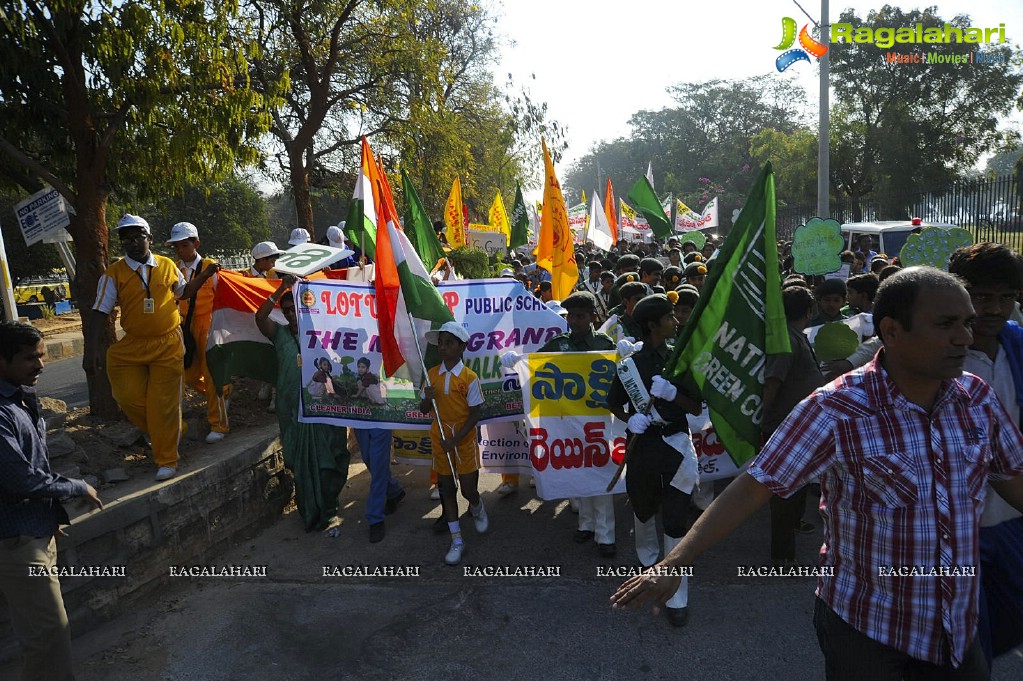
(198, 314)
(455, 391)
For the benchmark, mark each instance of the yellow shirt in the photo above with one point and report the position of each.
(204, 298)
(125, 283)
(456, 391)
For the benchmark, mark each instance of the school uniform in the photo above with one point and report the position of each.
(145, 367)
(197, 376)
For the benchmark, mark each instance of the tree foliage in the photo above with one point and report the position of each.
(102, 95)
(900, 128)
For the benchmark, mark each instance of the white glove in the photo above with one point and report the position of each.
(510, 359)
(663, 389)
(627, 347)
(638, 423)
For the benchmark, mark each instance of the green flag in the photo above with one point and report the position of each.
(418, 227)
(646, 202)
(739, 320)
(519, 221)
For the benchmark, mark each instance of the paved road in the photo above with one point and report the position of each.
(65, 380)
(299, 624)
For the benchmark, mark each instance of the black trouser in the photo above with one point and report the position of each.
(785, 516)
(850, 655)
(652, 465)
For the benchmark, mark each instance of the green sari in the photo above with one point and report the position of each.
(317, 454)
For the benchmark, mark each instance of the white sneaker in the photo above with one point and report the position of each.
(506, 488)
(264, 391)
(434, 493)
(573, 504)
(454, 554)
(166, 473)
(480, 518)
(214, 437)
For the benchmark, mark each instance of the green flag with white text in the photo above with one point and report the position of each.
(519, 221)
(418, 227)
(644, 199)
(738, 321)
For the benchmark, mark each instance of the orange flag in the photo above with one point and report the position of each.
(556, 250)
(454, 219)
(385, 192)
(609, 211)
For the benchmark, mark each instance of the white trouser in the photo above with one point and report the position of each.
(702, 496)
(681, 597)
(648, 548)
(597, 515)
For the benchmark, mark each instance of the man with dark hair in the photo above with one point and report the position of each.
(30, 510)
(830, 295)
(860, 292)
(992, 273)
(657, 477)
(788, 378)
(902, 448)
(865, 247)
(650, 270)
(592, 283)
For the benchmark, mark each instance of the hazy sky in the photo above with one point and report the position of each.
(598, 62)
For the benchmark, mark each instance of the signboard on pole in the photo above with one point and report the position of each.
(43, 217)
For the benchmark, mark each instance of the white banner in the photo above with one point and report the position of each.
(304, 259)
(339, 341)
(43, 217)
(687, 220)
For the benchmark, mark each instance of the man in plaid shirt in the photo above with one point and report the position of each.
(903, 448)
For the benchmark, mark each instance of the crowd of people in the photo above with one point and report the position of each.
(919, 464)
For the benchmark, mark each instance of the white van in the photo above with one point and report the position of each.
(886, 236)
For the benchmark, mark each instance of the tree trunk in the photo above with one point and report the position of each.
(300, 187)
(89, 230)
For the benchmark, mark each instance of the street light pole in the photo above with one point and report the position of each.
(824, 123)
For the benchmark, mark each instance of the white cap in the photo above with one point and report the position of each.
(182, 231)
(299, 236)
(335, 237)
(454, 328)
(264, 249)
(555, 306)
(129, 220)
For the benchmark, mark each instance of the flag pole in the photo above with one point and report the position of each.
(436, 411)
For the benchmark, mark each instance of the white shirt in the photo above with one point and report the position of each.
(190, 269)
(997, 374)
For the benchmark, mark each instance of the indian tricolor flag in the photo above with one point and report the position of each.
(361, 223)
(235, 347)
(402, 286)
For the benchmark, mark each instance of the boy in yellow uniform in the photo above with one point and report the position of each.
(184, 238)
(145, 367)
(455, 390)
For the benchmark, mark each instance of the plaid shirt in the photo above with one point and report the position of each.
(901, 488)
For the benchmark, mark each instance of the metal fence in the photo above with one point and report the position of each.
(991, 209)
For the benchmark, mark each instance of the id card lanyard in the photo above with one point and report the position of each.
(148, 304)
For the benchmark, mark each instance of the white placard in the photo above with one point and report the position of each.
(491, 242)
(304, 259)
(43, 217)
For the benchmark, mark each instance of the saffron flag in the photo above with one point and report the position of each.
(234, 346)
(646, 202)
(418, 227)
(454, 219)
(519, 221)
(555, 252)
(599, 232)
(720, 353)
(361, 224)
(402, 286)
(609, 212)
(498, 218)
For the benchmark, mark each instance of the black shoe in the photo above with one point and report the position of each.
(803, 527)
(376, 532)
(582, 536)
(607, 550)
(391, 505)
(677, 616)
(440, 526)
